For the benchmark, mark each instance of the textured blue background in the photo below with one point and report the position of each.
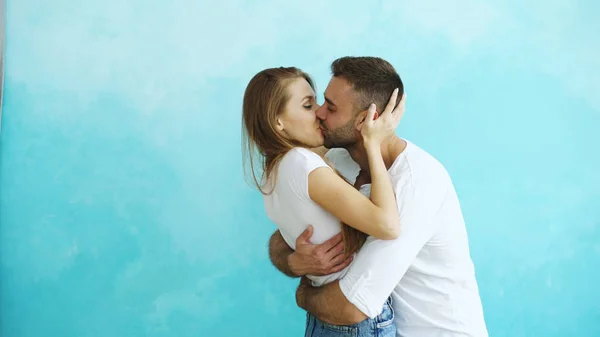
(123, 209)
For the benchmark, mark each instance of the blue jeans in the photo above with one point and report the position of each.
(380, 326)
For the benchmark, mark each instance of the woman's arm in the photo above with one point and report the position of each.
(379, 216)
(346, 203)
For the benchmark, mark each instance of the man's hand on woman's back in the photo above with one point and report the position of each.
(318, 260)
(308, 259)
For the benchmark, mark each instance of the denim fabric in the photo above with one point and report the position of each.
(380, 326)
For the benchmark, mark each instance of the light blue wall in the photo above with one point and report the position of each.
(123, 210)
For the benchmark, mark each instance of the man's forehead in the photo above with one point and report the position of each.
(338, 90)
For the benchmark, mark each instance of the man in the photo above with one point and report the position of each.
(428, 270)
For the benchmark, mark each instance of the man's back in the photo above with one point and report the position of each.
(428, 269)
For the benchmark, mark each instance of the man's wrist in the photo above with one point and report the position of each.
(291, 261)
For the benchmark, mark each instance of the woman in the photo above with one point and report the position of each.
(299, 188)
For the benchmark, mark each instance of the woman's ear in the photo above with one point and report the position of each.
(279, 125)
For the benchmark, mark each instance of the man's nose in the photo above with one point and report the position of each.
(322, 112)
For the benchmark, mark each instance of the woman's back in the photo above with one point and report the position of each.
(290, 207)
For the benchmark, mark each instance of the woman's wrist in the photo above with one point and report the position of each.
(372, 147)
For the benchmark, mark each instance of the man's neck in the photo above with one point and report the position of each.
(390, 150)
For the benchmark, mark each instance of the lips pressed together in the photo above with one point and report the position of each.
(322, 130)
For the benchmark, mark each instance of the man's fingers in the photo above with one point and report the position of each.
(329, 244)
(338, 259)
(336, 250)
(305, 236)
(345, 263)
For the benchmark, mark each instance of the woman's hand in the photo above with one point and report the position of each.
(374, 129)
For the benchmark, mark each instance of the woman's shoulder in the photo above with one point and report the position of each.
(301, 154)
(300, 159)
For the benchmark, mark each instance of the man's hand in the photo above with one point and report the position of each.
(323, 259)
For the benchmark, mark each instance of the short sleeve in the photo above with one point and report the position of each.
(295, 168)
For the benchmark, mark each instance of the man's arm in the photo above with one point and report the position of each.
(279, 253)
(308, 259)
(377, 269)
(328, 303)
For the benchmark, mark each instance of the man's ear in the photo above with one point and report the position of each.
(360, 119)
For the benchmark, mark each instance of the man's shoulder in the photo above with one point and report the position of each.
(341, 160)
(419, 162)
(338, 154)
(416, 174)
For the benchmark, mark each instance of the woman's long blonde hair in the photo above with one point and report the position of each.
(266, 97)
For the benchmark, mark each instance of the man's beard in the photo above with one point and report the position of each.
(342, 137)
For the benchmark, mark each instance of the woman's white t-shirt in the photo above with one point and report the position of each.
(290, 207)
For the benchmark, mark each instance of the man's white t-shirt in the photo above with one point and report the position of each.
(428, 270)
(290, 207)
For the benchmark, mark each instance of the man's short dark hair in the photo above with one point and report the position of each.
(372, 78)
